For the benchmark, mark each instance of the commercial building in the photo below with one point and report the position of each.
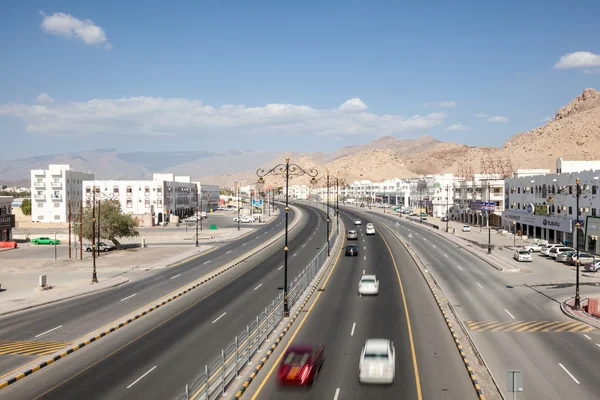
(393, 191)
(209, 194)
(7, 218)
(478, 199)
(434, 194)
(53, 189)
(164, 195)
(544, 205)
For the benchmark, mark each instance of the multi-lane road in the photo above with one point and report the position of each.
(513, 325)
(428, 365)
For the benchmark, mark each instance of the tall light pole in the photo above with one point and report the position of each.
(94, 276)
(286, 169)
(514, 223)
(488, 219)
(447, 204)
(577, 304)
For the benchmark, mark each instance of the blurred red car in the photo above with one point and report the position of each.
(301, 364)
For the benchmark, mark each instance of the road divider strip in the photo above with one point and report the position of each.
(35, 366)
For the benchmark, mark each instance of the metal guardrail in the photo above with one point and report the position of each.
(218, 375)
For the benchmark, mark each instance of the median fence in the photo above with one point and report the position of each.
(213, 381)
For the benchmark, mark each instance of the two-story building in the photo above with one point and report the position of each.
(479, 201)
(7, 218)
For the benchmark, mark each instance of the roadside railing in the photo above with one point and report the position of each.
(212, 383)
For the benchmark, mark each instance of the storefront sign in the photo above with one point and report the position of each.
(530, 208)
(542, 210)
(542, 221)
(7, 221)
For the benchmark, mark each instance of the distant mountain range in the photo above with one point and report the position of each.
(573, 133)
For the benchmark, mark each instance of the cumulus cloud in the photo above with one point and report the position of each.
(441, 104)
(176, 117)
(497, 119)
(456, 127)
(69, 27)
(579, 59)
(44, 98)
(547, 119)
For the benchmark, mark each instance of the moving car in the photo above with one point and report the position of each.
(352, 235)
(377, 362)
(357, 222)
(370, 229)
(466, 228)
(522, 255)
(368, 285)
(352, 250)
(101, 246)
(45, 240)
(301, 364)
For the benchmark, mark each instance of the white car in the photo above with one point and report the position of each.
(546, 249)
(368, 285)
(555, 251)
(536, 247)
(370, 229)
(523, 255)
(377, 362)
(358, 222)
(466, 228)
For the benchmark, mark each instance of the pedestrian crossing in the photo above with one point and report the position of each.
(529, 326)
(24, 348)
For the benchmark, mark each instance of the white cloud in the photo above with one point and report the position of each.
(456, 127)
(441, 104)
(44, 98)
(482, 116)
(591, 71)
(497, 119)
(176, 117)
(579, 59)
(67, 26)
(547, 119)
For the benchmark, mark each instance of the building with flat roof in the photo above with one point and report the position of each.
(7, 218)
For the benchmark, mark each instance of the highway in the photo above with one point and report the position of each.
(512, 325)
(156, 356)
(70, 319)
(342, 321)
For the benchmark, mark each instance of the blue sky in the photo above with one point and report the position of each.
(309, 76)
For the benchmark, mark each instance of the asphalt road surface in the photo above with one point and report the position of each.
(177, 341)
(342, 321)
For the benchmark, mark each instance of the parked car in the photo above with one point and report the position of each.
(444, 219)
(352, 250)
(368, 285)
(370, 229)
(548, 247)
(466, 228)
(352, 235)
(535, 247)
(301, 364)
(565, 256)
(45, 240)
(584, 258)
(377, 362)
(101, 246)
(593, 267)
(555, 251)
(522, 255)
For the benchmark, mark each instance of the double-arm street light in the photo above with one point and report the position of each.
(288, 170)
(329, 180)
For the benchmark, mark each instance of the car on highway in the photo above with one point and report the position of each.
(584, 258)
(352, 235)
(466, 228)
(565, 257)
(594, 267)
(301, 364)
(357, 222)
(522, 255)
(101, 246)
(45, 240)
(352, 250)
(370, 229)
(377, 362)
(368, 285)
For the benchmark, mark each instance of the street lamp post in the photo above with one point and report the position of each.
(488, 220)
(286, 169)
(577, 304)
(447, 204)
(514, 223)
(94, 276)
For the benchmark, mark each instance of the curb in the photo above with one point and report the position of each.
(472, 376)
(264, 360)
(565, 308)
(156, 306)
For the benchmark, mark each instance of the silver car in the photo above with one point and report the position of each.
(522, 255)
(584, 258)
(377, 363)
(565, 256)
(352, 235)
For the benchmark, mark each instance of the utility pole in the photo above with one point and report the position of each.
(69, 218)
(94, 276)
(81, 229)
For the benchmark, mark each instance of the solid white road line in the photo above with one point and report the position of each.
(570, 374)
(508, 312)
(445, 255)
(128, 297)
(48, 331)
(141, 377)
(337, 393)
(478, 284)
(176, 276)
(228, 252)
(459, 267)
(352, 333)
(206, 262)
(587, 337)
(279, 268)
(258, 286)
(220, 316)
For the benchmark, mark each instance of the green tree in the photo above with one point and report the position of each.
(113, 223)
(26, 207)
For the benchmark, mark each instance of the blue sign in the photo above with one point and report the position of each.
(257, 203)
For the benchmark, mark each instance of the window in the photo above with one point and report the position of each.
(159, 203)
(97, 189)
(129, 190)
(3, 210)
(519, 190)
(147, 203)
(88, 190)
(570, 209)
(88, 203)
(40, 205)
(116, 190)
(40, 218)
(56, 217)
(594, 189)
(147, 190)
(593, 212)
(129, 203)
(56, 205)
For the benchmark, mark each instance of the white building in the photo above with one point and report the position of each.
(393, 191)
(210, 196)
(53, 189)
(164, 195)
(545, 205)
(469, 196)
(7, 218)
(433, 194)
(299, 192)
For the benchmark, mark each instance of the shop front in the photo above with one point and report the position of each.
(7, 222)
(554, 230)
